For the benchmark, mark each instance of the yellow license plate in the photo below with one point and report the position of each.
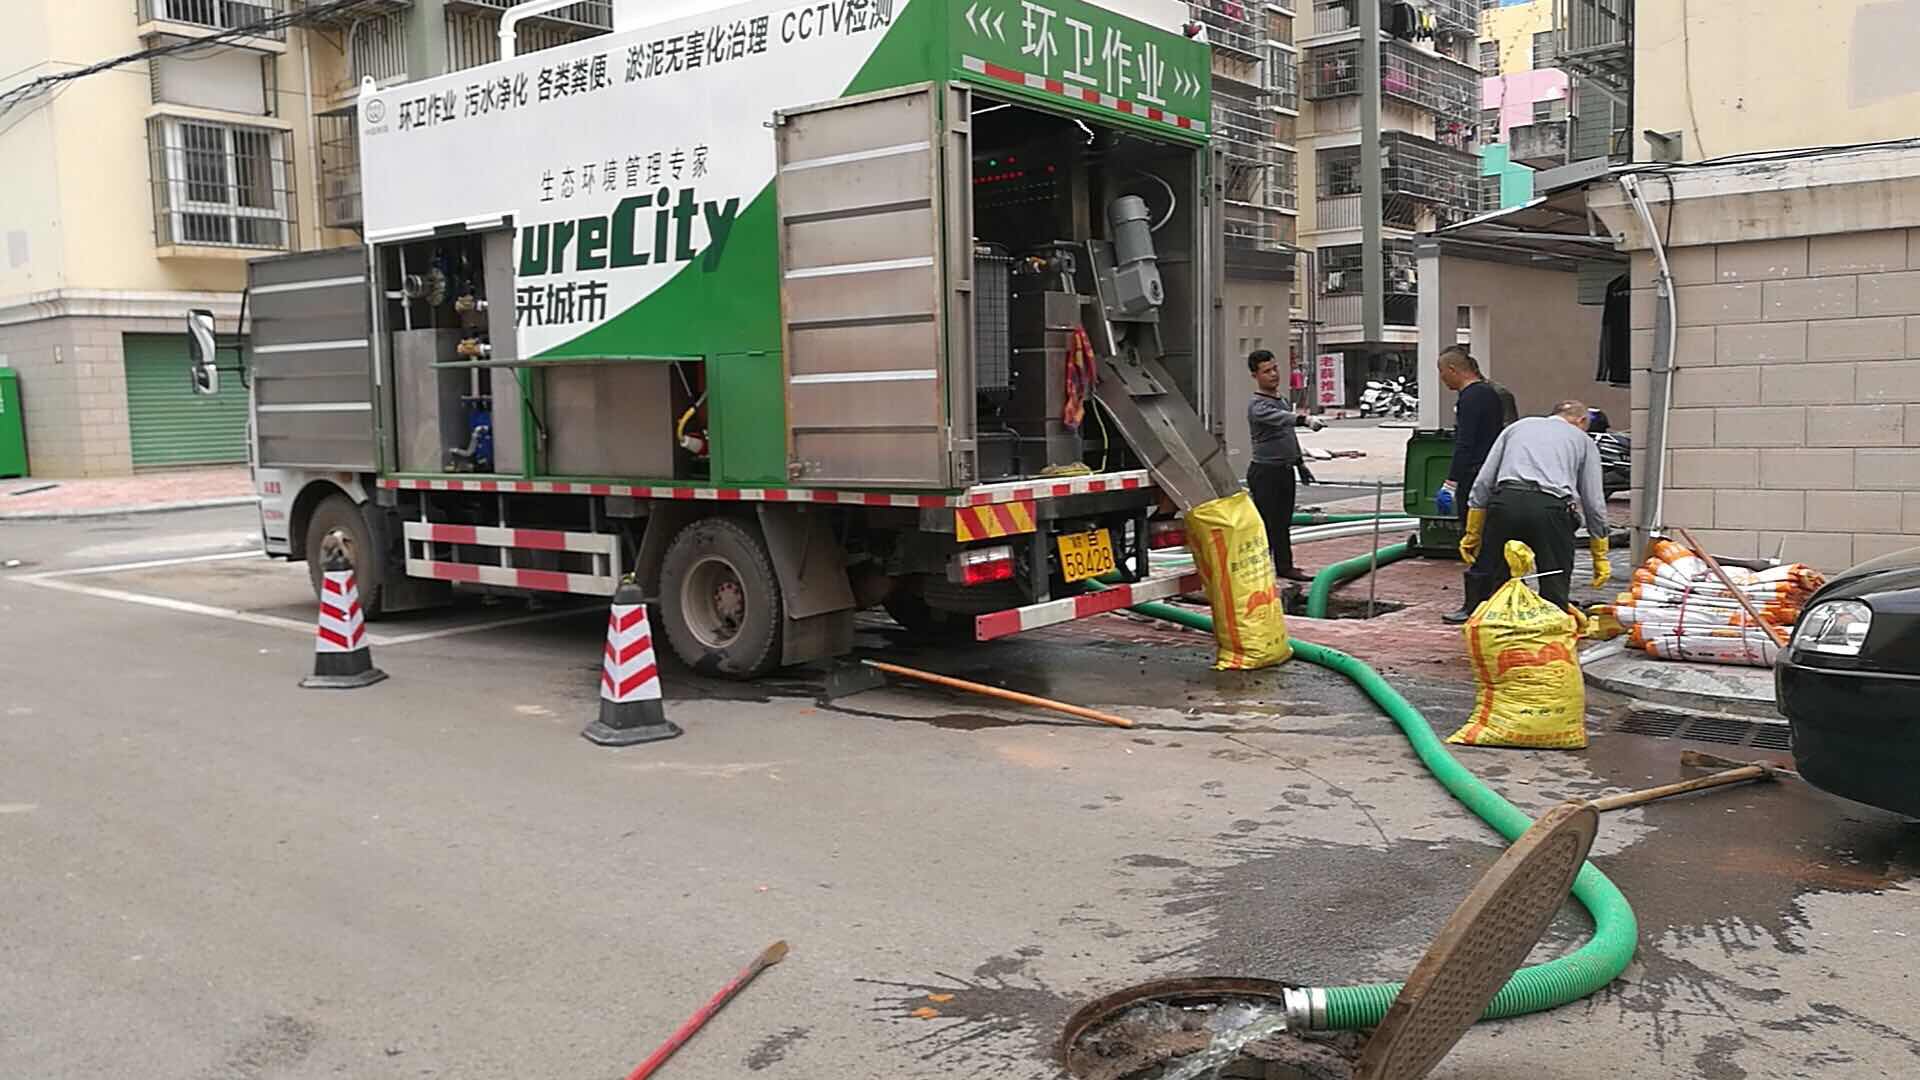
(1086, 555)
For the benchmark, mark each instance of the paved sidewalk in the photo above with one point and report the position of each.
(178, 489)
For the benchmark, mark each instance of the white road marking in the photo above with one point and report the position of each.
(53, 580)
(148, 564)
(18, 807)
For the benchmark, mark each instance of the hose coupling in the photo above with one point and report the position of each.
(1306, 1009)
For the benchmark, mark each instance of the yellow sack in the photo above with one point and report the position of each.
(1525, 656)
(1229, 545)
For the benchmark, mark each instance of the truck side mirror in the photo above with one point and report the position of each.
(202, 349)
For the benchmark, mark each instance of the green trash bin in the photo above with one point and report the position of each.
(13, 426)
(1429, 459)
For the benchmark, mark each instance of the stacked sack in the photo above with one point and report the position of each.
(1679, 610)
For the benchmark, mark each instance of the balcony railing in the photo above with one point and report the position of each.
(216, 14)
(220, 185)
(473, 31)
(377, 49)
(589, 14)
(1230, 24)
(340, 205)
(1424, 80)
(1335, 16)
(1456, 16)
(1283, 78)
(1594, 38)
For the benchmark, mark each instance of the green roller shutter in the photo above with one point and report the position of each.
(169, 424)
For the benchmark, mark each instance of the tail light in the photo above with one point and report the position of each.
(1167, 534)
(978, 566)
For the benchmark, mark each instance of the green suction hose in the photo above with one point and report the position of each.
(1329, 576)
(1533, 989)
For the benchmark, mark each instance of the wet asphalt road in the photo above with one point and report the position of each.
(212, 873)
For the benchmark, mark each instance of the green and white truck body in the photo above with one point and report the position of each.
(774, 306)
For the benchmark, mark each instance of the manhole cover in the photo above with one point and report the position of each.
(1691, 727)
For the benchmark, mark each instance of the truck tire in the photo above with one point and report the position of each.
(720, 600)
(338, 525)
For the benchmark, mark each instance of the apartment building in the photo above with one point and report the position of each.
(139, 192)
(1383, 156)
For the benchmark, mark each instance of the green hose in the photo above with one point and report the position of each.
(1329, 576)
(1533, 989)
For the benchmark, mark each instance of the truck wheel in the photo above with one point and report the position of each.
(911, 610)
(720, 600)
(338, 525)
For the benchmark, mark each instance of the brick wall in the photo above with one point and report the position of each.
(1796, 403)
(73, 391)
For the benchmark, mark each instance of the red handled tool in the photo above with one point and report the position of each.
(774, 953)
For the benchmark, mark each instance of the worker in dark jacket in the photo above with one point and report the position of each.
(1540, 480)
(1482, 411)
(1271, 424)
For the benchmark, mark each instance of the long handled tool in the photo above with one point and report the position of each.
(1698, 783)
(1004, 695)
(773, 954)
(1739, 594)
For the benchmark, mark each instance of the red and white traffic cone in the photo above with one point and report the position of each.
(630, 708)
(342, 659)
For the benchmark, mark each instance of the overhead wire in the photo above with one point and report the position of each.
(46, 85)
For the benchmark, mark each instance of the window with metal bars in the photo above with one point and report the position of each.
(220, 185)
(1544, 49)
(1490, 58)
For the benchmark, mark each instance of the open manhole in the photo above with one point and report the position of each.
(1156, 1032)
(1693, 727)
(1342, 607)
(1257, 1029)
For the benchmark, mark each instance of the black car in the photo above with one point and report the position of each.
(1850, 685)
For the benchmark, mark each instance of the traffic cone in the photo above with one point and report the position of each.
(342, 659)
(630, 709)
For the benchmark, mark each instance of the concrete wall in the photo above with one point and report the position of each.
(1514, 95)
(1735, 76)
(1530, 333)
(1513, 26)
(1796, 403)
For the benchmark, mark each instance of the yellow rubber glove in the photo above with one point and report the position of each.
(1470, 543)
(1602, 569)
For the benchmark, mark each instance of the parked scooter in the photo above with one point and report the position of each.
(1616, 460)
(1395, 398)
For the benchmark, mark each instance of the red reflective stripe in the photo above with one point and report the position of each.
(359, 633)
(452, 534)
(450, 571)
(599, 489)
(1003, 513)
(728, 494)
(632, 618)
(637, 680)
(540, 539)
(683, 493)
(621, 656)
(997, 624)
(332, 638)
(522, 485)
(778, 494)
(546, 580)
(330, 584)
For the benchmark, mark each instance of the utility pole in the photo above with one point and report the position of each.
(1373, 276)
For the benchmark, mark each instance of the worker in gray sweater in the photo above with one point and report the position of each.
(1540, 479)
(1271, 425)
